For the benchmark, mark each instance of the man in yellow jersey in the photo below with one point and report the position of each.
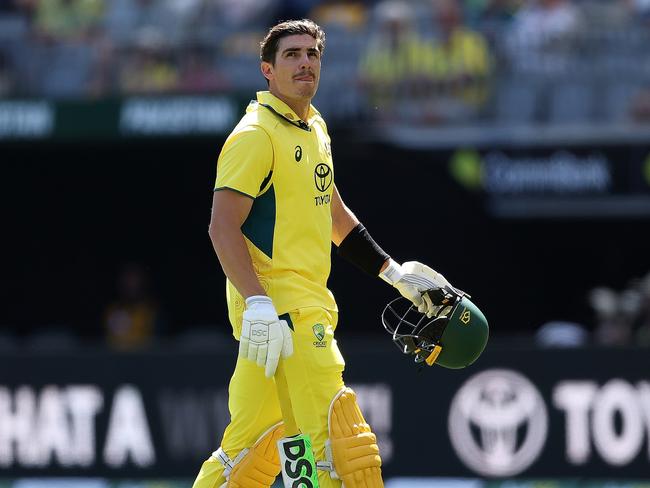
(275, 212)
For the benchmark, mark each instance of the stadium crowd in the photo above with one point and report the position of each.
(424, 61)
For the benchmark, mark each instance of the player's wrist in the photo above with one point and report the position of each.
(360, 249)
(258, 300)
(392, 273)
(261, 304)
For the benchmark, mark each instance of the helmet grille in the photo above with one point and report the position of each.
(413, 332)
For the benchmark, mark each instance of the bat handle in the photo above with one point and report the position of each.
(290, 426)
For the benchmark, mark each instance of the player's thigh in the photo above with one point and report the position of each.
(253, 405)
(210, 475)
(314, 372)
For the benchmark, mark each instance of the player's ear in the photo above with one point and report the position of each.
(267, 70)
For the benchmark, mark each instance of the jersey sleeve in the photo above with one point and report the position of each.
(245, 162)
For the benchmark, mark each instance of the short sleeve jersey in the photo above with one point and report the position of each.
(285, 166)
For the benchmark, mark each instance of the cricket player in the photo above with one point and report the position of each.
(276, 210)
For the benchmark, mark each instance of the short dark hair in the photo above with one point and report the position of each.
(269, 46)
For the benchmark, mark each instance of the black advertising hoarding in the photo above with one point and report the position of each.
(527, 413)
(571, 182)
(181, 115)
(516, 413)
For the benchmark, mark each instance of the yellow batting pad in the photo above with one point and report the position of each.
(355, 453)
(261, 464)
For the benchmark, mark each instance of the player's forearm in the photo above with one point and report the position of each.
(235, 259)
(343, 219)
(342, 226)
(353, 241)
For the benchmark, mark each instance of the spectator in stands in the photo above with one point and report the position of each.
(391, 72)
(340, 14)
(126, 18)
(543, 35)
(15, 18)
(494, 18)
(144, 35)
(227, 18)
(458, 67)
(235, 27)
(134, 319)
(59, 59)
(197, 72)
(247, 13)
(67, 20)
(150, 67)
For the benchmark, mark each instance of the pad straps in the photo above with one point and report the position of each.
(221, 456)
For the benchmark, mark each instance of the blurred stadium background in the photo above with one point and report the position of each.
(504, 142)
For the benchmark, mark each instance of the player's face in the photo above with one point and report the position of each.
(295, 74)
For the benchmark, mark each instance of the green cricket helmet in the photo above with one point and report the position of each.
(453, 338)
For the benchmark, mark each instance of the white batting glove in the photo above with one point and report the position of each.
(412, 279)
(264, 337)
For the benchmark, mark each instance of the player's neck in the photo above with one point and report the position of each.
(299, 106)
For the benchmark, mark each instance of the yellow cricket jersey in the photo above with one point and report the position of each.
(285, 165)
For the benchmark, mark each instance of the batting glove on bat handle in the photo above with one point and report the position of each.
(264, 337)
(412, 279)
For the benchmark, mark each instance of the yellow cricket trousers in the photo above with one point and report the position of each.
(314, 377)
